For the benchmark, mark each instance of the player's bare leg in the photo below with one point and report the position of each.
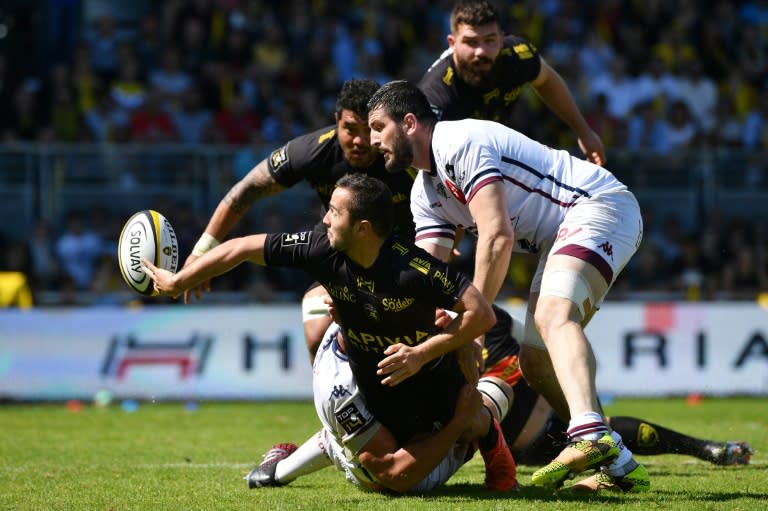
(566, 303)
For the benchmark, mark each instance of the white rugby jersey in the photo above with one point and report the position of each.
(341, 408)
(541, 184)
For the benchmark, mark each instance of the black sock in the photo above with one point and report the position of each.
(489, 440)
(644, 438)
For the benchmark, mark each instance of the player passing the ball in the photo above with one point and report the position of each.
(385, 291)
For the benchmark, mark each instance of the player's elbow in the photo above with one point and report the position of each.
(502, 243)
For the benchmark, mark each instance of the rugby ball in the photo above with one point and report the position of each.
(146, 235)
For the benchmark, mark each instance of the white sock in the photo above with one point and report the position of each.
(587, 426)
(625, 455)
(308, 458)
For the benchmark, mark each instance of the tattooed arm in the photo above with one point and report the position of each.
(257, 184)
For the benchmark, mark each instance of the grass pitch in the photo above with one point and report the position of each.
(164, 456)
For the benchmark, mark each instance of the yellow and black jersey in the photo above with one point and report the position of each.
(453, 99)
(318, 159)
(391, 302)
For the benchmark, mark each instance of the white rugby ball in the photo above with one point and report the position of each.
(146, 235)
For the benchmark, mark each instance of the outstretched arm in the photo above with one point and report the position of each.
(554, 92)
(257, 184)
(218, 260)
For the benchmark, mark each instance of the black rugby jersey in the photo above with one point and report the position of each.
(452, 99)
(391, 302)
(318, 159)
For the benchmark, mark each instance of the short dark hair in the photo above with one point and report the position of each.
(401, 97)
(354, 96)
(371, 200)
(473, 13)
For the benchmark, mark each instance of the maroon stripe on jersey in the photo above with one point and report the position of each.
(542, 193)
(591, 257)
(482, 183)
(428, 235)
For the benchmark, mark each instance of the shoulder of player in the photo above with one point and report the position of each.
(318, 144)
(518, 48)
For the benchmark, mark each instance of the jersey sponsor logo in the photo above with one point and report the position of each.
(448, 286)
(490, 96)
(400, 248)
(419, 264)
(523, 51)
(278, 157)
(511, 96)
(365, 284)
(371, 312)
(340, 391)
(440, 189)
(607, 248)
(365, 341)
(296, 238)
(448, 76)
(342, 293)
(455, 191)
(326, 136)
(397, 304)
(350, 418)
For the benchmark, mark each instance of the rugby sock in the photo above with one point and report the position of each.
(647, 438)
(489, 440)
(587, 426)
(308, 458)
(625, 455)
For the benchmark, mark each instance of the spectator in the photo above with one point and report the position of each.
(106, 122)
(645, 130)
(104, 44)
(700, 94)
(170, 80)
(679, 130)
(150, 123)
(618, 87)
(15, 290)
(128, 90)
(236, 123)
(78, 249)
(149, 41)
(26, 120)
(192, 122)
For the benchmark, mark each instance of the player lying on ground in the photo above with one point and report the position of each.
(531, 428)
(360, 446)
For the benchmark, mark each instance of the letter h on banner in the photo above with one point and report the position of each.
(251, 346)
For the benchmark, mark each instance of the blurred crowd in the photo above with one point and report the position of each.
(650, 76)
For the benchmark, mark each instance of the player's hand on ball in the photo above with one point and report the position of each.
(401, 362)
(164, 280)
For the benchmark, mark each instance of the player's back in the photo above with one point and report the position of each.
(540, 183)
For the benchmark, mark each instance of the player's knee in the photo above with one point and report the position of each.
(566, 295)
